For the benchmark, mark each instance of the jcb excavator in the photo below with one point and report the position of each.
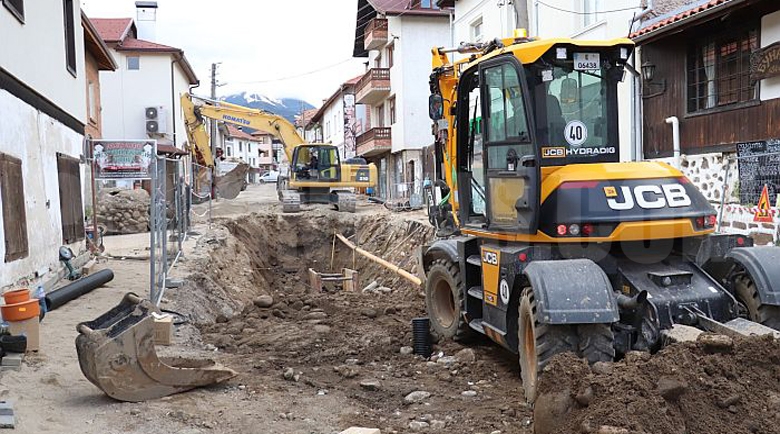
(316, 172)
(548, 243)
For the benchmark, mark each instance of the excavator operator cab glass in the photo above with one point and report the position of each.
(316, 163)
(435, 107)
(575, 105)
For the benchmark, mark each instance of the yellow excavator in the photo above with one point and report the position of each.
(316, 173)
(547, 242)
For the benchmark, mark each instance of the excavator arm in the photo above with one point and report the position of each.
(234, 114)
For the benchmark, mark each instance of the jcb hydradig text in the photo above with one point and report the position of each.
(547, 243)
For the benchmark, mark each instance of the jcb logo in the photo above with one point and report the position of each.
(553, 152)
(490, 257)
(648, 197)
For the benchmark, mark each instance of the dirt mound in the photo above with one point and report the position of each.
(694, 388)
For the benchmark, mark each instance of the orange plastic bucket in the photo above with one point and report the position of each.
(17, 296)
(21, 311)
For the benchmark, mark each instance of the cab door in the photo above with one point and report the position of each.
(511, 158)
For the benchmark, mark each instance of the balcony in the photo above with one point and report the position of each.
(374, 142)
(375, 34)
(373, 86)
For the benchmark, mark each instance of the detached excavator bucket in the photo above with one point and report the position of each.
(116, 353)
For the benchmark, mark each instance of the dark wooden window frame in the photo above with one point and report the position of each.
(70, 36)
(16, 7)
(747, 95)
(14, 208)
(71, 203)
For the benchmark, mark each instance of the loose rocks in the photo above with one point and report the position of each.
(264, 301)
(416, 396)
(371, 384)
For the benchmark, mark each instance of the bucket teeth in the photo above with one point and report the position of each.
(116, 353)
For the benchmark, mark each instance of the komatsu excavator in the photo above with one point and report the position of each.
(548, 243)
(316, 173)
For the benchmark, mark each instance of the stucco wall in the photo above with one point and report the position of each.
(34, 52)
(126, 94)
(413, 52)
(35, 138)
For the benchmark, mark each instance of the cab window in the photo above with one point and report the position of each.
(507, 121)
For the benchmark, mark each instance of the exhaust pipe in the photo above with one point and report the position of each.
(626, 302)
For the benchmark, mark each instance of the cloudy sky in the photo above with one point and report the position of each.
(258, 42)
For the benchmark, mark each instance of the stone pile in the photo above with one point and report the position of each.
(123, 211)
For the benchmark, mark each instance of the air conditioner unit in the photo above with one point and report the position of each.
(156, 120)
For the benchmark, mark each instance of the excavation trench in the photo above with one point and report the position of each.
(336, 356)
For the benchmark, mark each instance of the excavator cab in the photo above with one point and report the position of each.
(317, 163)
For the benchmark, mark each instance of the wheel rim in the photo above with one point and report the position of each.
(443, 304)
(529, 350)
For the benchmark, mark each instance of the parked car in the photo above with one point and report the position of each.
(271, 176)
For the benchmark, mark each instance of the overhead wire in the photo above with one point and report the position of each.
(586, 13)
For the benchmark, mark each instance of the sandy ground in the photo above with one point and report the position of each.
(50, 394)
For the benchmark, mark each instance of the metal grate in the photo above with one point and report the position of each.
(719, 69)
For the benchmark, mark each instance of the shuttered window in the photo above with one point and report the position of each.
(14, 215)
(70, 35)
(71, 207)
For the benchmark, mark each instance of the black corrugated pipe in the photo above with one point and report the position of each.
(78, 288)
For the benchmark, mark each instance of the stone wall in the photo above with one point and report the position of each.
(708, 173)
(123, 211)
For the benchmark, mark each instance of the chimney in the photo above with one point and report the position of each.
(146, 20)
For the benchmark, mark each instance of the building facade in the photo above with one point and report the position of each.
(141, 99)
(396, 40)
(256, 150)
(712, 101)
(341, 119)
(43, 103)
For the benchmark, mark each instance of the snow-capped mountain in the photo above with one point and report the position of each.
(287, 107)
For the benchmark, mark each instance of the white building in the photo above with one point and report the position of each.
(43, 105)
(254, 150)
(484, 20)
(150, 75)
(341, 120)
(396, 38)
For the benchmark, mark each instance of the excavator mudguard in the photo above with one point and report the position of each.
(116, 353)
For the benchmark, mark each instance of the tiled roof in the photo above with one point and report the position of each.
(354, 80)
(132, 44)
(397, 7)
(233, 131)
(305, 118)
(112, 29)
(689, 11)
(96, 46)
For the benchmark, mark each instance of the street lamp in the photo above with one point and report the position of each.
(648, 70)
(648, 74)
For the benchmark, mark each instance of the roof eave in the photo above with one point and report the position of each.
(102, 54)
(693, 19)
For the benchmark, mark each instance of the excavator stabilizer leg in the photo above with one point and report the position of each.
(116, 353)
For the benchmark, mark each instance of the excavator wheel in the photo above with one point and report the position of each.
(747, 294)
(538, 343)
(444, 300)
(596, 342)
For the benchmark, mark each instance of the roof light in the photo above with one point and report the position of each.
(624, 53)
(561, 53)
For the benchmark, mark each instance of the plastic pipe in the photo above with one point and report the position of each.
(78, 288)
(675, 122)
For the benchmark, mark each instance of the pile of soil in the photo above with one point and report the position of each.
(714, 386)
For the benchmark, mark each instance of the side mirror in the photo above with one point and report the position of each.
(435, 107)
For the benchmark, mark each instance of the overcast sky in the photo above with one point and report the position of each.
(258, 42)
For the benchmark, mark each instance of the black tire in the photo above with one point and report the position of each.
(444, 300)
(538, 343)
(747, 293)
(596, 342)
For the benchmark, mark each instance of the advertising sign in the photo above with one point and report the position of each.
(123, 159)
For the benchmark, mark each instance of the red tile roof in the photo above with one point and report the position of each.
(112, 29)
(305, 118)
(132, 44)
(656, 25)
(233, 131)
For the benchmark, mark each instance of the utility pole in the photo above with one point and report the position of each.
(213, 124)
(521, 13)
